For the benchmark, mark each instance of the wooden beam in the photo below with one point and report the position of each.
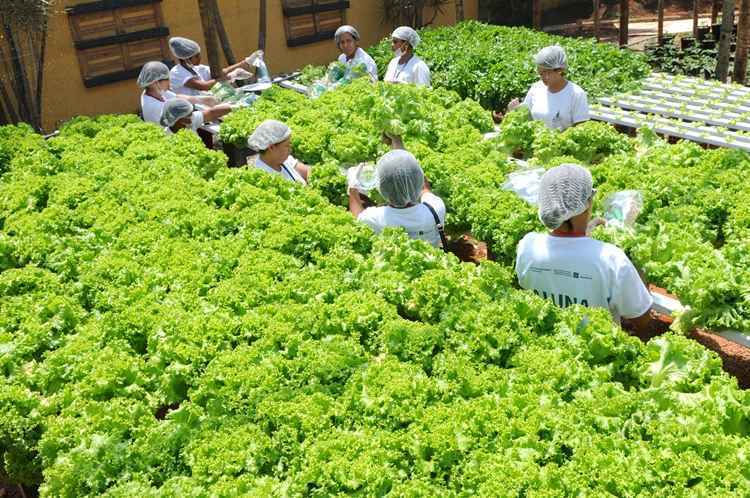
(743, 40)
(536, 13)
(624, 21)
(696, 12)
(715, 10)
(660, 21)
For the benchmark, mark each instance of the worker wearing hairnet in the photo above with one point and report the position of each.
(271, 140)
(555, 100)
(347, 40)
(405, 67)
(154, 80)
(411, 204)
(189, 76)
(568, 267)
(179, 113)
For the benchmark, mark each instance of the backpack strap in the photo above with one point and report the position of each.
(439, 226)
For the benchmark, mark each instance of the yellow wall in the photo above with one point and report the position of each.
(65, 96)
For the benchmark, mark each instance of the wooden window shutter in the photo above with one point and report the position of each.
(114, 38)
(310, 21)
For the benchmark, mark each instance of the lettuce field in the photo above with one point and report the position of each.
(172, 327)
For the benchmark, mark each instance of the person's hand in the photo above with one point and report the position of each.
(208, 100)
(250, 59)
(513, 104)
(394, 141)
(593, 223)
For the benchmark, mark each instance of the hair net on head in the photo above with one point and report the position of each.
(400, 178)
(407, 34)
(564, 192)
(269, 132)
(183, 48)
(151, 72)
(346, 29)
(552, 57)
(175, 110)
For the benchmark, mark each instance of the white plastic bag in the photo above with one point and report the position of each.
(622, 208)
(363, 177)
(525, 182)
(262, 74)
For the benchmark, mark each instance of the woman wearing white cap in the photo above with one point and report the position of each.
(271, 140)
(178, 113)
(411, 204)
(568, 267)
(406, 67)
(555, 100)
(189, 76)
(347, 40)
(154, 80)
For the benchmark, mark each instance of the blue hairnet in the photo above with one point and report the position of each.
(183, 48)
(151, 72)
(552, 57)
(269, 132)
(564, 192)
(407, 34)
(174, 110)
(346, 29)
(400, 178)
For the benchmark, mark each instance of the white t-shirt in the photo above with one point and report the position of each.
(288, 170)
(179, 75)
(416, 220)
(581, 270)
(151, 107)
(362, 57)
(196, 121)
(559, 110)
(414, 71)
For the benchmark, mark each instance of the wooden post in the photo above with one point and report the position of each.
(696, 12)
(226, 46)
(743, 40)
(459, 11)
(262, 28)
(727, 21)
(624, 21)
(596, 18)
(536, 13)
(660, 21)
(211, 39)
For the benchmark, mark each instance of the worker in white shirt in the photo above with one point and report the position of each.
(178, 113)
(272, 141)
(567, 266)
(411, 204)
(189, 76)
(154, 80)
(347, 40)
(555, 100)
(406, 67)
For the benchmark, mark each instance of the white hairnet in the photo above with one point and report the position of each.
(174, 110)
(407, 34)
(183, 48)
(552, 57)
(346, 29)
(269, 132)
(151, 72)
(564, 192)
(400, 178)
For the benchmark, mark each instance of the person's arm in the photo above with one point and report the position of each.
(356, 206)
(244, 65)
(198, 84)
(303, 169)
(214, 113)
(206, 100)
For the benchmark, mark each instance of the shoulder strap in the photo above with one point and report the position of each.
(439, 226)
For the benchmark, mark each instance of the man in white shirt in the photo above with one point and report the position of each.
(411, 205)
(406, 67)
(568, 267)
(271, 140)
(347, 40)
(555, 100)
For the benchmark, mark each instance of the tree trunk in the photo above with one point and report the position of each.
(597, 5)
(743, 40)
(536, 13)
(459, 10)
(209, 34)
(226, 46)
(660, 22)
(262, 27)
(624, 21)
(696, 11)
(727, 21)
